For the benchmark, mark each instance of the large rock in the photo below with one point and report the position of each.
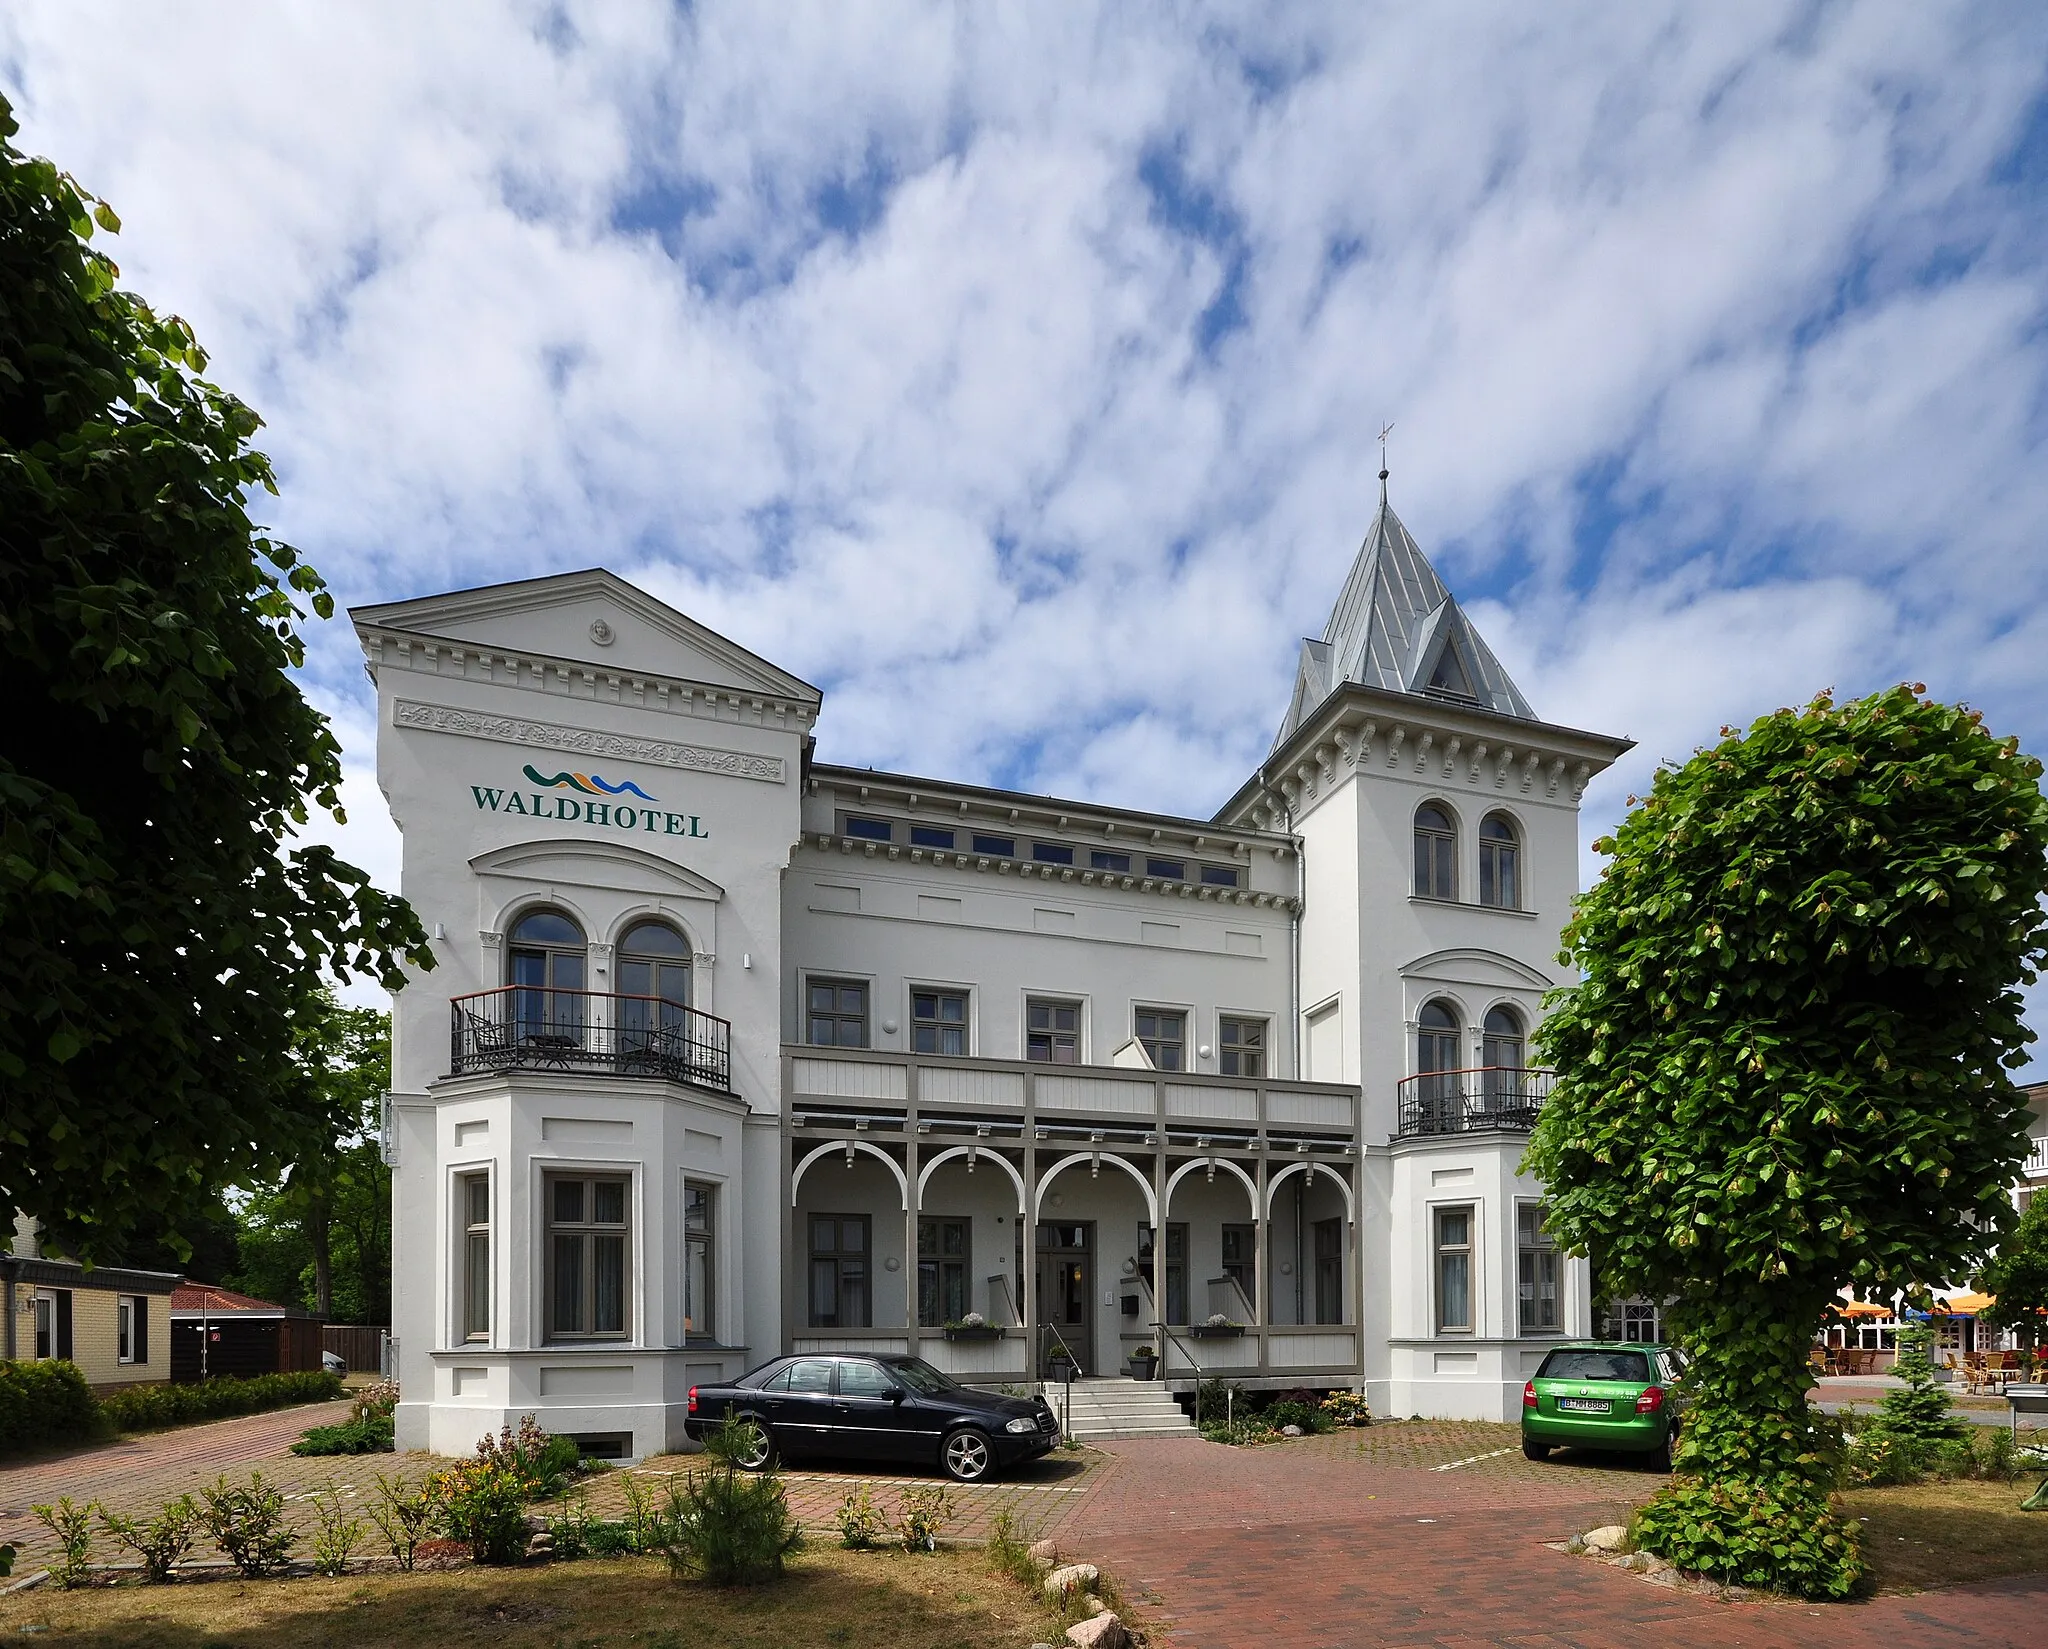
(1610, 1538)
(1102, 1632)
(1072, 1577)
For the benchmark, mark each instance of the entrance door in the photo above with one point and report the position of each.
(1066, 1291)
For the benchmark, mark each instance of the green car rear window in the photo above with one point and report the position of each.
(1596, 1365)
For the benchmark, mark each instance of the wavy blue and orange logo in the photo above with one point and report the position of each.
(589, 783)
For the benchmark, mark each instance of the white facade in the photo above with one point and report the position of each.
(924, 1018)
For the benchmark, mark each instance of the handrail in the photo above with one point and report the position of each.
(1066, 1415)
(537, 1027)
(605, 996)
(1194, 1362)
(1472, 1098)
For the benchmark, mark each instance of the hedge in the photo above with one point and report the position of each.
(146, 1408)
(46, 1402)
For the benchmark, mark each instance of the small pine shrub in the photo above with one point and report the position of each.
(72, 1525)
(860, 1521)
(248, 1524)
(46, 1402)
(160, 1543)
(405, 1517)
(724, 1525)
(921, 1512)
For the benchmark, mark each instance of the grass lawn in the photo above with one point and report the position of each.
(1940, 1534)
(944, 1600)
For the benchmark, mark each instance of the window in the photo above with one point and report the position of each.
(808, 1374)
(1164, 1036)
(473, 1204)
(1176, 1267)
(700, 1255)
(1436, 1041)
(838, 1016)
(1500, 855)
(1454, 1270)
(869, 830)
(1118, 862)
(864, 1380)
(839, 1271)
(125, 1331)
(941, 1271)
(1572, 1364)
(1242, 1044)
(1219, 875)
(931, 836)
(1506, 1081)
(938, 1022)
(546, 961)
(138, 1323)
(586, 1257)
(1172, 870)
(1003, 847)
(1329, 1238)
(1436, 854)
(1240, 1246)
(1535, 1273)
(654, 986)
(1052, 853)
(1052, 1031)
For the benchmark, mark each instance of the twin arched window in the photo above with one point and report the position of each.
(1436, 857)
(1437, 1035)
(548, 952)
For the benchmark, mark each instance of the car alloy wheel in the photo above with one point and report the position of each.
(968, 1456)
(753, 1454)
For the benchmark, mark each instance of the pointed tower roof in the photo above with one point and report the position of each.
(1396, 627)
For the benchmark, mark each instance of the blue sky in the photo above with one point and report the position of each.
(1013, 372)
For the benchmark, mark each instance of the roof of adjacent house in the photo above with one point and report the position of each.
(212, 1297)
(1397, 627)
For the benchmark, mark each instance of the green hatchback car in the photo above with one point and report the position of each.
(1606, 1395)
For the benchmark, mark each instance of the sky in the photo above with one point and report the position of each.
(1014, 373)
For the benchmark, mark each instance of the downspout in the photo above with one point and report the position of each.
(10, 1268)
(1293, 923)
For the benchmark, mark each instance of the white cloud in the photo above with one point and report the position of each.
(1013, 375)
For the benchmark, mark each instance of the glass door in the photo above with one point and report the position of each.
(1066, 1285)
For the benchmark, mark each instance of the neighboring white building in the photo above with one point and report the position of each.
(731, 1052)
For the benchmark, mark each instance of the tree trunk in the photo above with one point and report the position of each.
(317, 1228)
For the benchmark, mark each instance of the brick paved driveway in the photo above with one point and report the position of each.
(1352, 1540)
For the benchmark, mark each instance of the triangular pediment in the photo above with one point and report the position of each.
(596, 864)
(592, 617)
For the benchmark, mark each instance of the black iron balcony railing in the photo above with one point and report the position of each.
(1468, 1101)
(527, 1028)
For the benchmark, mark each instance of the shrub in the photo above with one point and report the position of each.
(43, 1403)
(1347, 1408)
(571, 1529)
(248, 1524)
(921, 1513)
(1243, 1433)
(860, 1521)
(483, 1502)
(532, 1456)
(404, 1516)
(162, 1541)
(150, 1408)
(1218, 1402)
(730, 1527)
(335, 1533)
(72, 1525)
(370, 1436)
(1291, 1412)
(376, 1402)
(640, 1513)
(1008, 1555)
(1784, 1536)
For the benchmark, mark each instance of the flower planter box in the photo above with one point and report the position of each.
(1219, 1331)
(975, 1331)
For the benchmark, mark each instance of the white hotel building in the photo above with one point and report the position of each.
(732, 1052)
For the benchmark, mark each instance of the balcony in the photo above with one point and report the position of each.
(2036, 1165)
(525, 1028)
(1477, 1100)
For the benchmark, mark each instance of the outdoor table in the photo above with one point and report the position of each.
(2025, 1400)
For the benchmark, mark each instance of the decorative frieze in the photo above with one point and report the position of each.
(583, 741)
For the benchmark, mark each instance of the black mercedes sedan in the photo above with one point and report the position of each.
(876, 1408)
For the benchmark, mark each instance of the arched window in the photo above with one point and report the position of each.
(654, 961)
(1436, 853)
(1436, 1040)
(1503, 1033)
(1500, 863)
(546, 965)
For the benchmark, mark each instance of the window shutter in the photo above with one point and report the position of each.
(138, 1342)
(64, 1323)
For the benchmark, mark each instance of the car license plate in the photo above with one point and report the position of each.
(1584, 1405)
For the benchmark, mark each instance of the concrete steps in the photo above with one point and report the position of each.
(1120, 1408)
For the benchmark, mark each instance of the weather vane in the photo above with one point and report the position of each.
(1389, 430)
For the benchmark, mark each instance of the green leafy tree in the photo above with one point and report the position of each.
(2018, 1277)
(166, 938)
(1785, 1070)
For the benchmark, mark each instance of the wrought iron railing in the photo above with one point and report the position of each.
(2037, 1159)
(528, 1028)
(1471, 1101)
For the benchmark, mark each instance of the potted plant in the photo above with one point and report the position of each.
(1144, 1362)
(1061, 1366)
(1218, 1327)
(974, 1326)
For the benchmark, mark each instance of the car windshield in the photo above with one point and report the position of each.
(1595, 1365)
(920, 1376)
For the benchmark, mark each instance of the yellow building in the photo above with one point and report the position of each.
(114, 1323)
